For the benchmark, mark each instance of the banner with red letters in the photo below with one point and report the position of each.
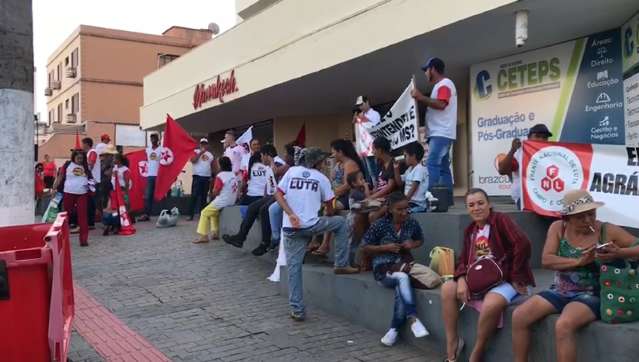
(609, 172)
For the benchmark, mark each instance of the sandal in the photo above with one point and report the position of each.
(318, 252)
(200, 241)
(460, 347)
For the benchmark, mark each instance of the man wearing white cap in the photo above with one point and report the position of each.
(365, 118)
(202, 162)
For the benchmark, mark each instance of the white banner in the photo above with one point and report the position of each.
(399, 125)
(609, 172)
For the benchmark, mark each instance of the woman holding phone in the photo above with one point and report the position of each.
(574, 247)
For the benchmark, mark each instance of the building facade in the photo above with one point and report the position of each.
(95, 83)
(292, 63)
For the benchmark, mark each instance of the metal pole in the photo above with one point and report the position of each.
(16, 113)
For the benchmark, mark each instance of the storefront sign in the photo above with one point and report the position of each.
(609, 172)
(574, 88)
(630, 51)
(216, 90)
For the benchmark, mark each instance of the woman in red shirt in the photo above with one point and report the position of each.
(49, 172)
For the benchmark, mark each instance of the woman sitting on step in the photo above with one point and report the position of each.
(389, 241)
(571, 250)
(491, 238)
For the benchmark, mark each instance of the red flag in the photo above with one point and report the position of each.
(138, 168)
(177, 149)
(301, 137)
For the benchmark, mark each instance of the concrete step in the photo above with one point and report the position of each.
(359, 299)
(440, 229)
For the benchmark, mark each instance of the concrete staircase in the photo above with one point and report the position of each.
(361, 300)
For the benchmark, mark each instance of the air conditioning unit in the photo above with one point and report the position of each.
(55, 84)
(72, 118)
(71, 72)
(48, 92)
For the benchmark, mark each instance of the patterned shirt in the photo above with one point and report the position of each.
(383, 232)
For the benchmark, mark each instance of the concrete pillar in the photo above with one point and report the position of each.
(16, 113)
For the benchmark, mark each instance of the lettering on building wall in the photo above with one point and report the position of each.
(216, 90)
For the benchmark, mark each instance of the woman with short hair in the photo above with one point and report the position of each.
(490, 235)
(572, 251)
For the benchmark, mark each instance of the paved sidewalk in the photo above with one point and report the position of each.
(210, 302)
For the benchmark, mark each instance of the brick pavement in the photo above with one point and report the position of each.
(211, 302)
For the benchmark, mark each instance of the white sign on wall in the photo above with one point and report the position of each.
(129, 136)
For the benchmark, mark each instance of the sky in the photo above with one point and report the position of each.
(55, 20)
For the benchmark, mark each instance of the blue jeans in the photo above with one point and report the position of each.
(295, 241)
(148, 195)
(371, 170)
(438, 163)
(199, 192)
(276, 217)
(404, 298)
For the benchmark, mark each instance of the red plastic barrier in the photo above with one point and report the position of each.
(37, 308)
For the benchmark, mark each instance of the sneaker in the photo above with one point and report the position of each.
(144, 218)
(233, 240)
(418, 329)
(390, 337)
(260, 250)
(345, 270)
(298, 316)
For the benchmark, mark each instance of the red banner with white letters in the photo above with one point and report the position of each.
(609, 172)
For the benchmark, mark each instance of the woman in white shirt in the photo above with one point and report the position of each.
(76, 181)
(258, 179)
(225, 190)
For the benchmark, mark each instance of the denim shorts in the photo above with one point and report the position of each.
(560, 301)
(506, 290)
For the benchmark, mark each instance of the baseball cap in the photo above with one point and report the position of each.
(360, 100)
(313, 156)
(204, 140)
(539, 128)
(436, 63)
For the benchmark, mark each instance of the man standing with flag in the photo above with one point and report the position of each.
(233, 151)
(365, 119)
(153, 154)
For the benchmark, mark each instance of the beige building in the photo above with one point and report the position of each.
(95, 83)
(292, 62)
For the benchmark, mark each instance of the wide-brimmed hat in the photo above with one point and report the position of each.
(110, 150)
(313, 156)
(578, 201)
(539, 129)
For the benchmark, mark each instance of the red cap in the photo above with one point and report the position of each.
(105, 137)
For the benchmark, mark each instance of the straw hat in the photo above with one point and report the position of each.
(110, 150)
(578, 201)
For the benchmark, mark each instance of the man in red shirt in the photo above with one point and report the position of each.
(49, 172)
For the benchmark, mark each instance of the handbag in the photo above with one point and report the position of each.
(442, 261)
(619, 292)
(483, 275)
(168, 218)
(423, 277)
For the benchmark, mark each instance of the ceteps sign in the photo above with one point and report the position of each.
(218, 89)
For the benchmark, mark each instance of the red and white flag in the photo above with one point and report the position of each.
(177, 149)
(609, 172)
(139, 170)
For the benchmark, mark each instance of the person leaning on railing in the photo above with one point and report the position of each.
(571, 250)
(490, 235)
